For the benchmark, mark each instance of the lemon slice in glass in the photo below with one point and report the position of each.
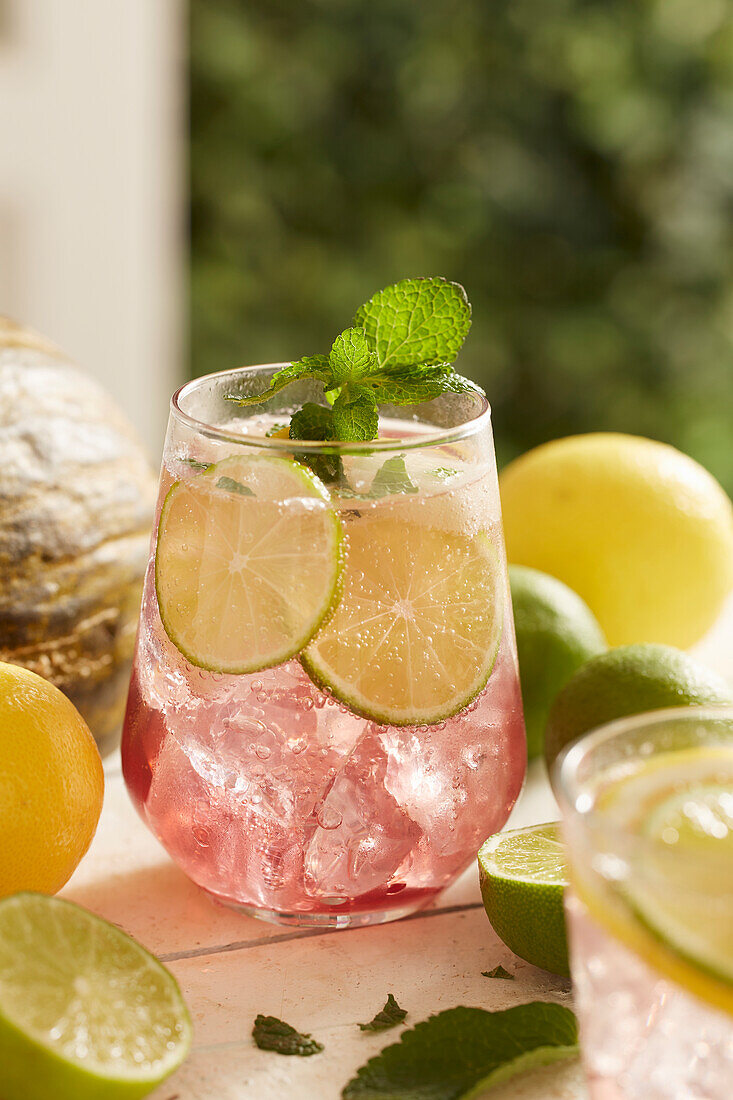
(247, 562)
(416, 632)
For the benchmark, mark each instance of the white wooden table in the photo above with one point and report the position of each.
(232, 967)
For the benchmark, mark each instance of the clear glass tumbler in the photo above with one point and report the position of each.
(324, 719)
(647, 807)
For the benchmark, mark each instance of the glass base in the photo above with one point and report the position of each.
(332, 919)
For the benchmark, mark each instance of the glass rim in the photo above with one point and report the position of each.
(426, 439)
(572, 794)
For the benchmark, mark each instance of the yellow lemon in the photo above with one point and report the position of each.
(51, 784)
(639, 530)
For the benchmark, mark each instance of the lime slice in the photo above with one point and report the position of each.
(85, 1012)
(523, 876)
(682, 889)
(415, 635)
(674, 906)
(247, 563)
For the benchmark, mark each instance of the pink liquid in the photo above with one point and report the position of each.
(274, 797)
(642, 1036)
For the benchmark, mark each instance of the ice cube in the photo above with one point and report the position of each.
(363, 835)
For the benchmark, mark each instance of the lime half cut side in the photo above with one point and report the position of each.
(416, 632)
(85, 1011)
(523, 876)
(247, 562)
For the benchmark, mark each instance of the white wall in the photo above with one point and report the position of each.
(91, 170)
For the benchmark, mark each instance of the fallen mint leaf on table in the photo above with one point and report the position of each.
(498, 972)
(389, 1016)
(461, 1052)
(269, 1033)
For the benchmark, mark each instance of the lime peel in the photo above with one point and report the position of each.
(85, 1011)
(522, 874)
(415, 635)
(245, 576)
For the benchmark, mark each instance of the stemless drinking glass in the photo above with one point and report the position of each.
(647, 808)
(324, 719)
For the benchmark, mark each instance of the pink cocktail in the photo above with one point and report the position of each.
(324, 720)
(648, 821)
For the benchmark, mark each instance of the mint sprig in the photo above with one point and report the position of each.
(269, 1033)
(399, 351)
(416, 321)
(389, 1016)
(463, 1051)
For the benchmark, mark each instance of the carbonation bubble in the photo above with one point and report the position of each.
(329, 818)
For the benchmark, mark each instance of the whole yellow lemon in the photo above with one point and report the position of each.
(639, 530)
(51, 784)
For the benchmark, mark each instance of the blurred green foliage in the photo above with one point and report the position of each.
(569, 161)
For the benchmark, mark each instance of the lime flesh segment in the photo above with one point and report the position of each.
(85, 1011)
(523, 875)
(247, 563)
(415, 635)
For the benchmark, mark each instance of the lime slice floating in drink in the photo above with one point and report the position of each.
(682, 889)
(523, 876)
(673, 905)
(85, 1012)
(247, 564)
(416, 632)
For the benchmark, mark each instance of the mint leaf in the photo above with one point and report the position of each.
(389, 1016)
(275, 429)
(311, 366)
(316, 422)
(498, 972)
(355, 414)
(461, 1052)
(231, 486)
(269, 1033)
(443, 473)
(411, 385)
(351, 356)
(195, 464)
(392, 477)
(312, 422)
(416, 321)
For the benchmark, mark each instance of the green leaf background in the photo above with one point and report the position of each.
(569, 162)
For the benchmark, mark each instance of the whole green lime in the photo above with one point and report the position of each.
(556, 634)
(632, 679)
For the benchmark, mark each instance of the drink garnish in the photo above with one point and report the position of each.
(400, 351)
(463, 1051)
(269, 1033)
(498, 972)
(389, 1016)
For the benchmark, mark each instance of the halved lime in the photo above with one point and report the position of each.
(523, 876)
(86, 1013)
(415, 635)
(247, 563)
